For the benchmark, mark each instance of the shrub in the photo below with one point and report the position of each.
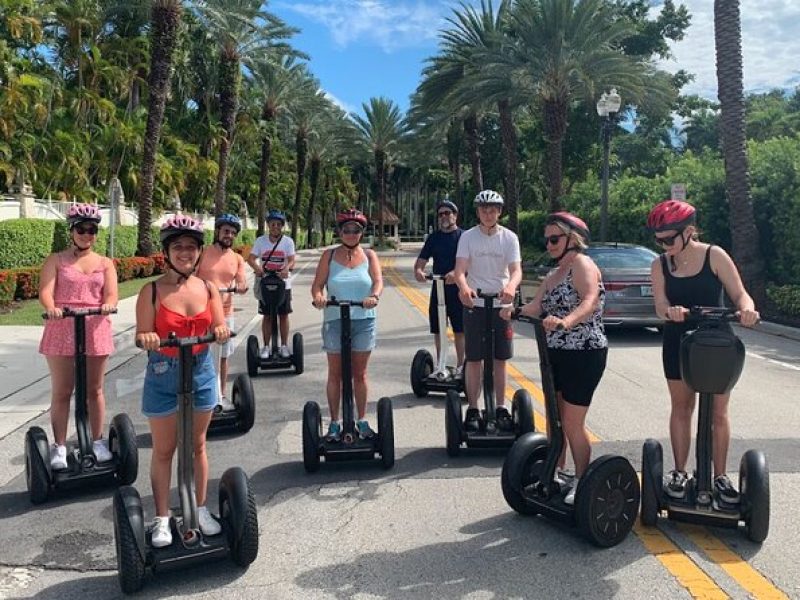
(27, 283)
(159, 265)
(25, 242)
(8, 285)
(786, 298)
(243, 250)
(127, 268)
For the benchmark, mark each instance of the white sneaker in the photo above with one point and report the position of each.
(265, 352)
(208, 524)
(58, 457)
(284, 352)
(460, 372)
(225, 403)
(161, 535)
(569, 499)
(101, 451)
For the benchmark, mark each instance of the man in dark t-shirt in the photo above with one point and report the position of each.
(441, 246)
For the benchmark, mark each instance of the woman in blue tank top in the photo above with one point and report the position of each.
(691, 273)
(350, 273)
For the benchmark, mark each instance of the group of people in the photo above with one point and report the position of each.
(187, 300)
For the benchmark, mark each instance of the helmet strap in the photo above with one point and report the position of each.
(567, 250)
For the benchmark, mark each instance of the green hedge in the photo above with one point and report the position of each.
(8, 285)
(25, 242)
(786, 298)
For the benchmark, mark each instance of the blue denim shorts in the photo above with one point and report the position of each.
(362, 335)
(160, 395)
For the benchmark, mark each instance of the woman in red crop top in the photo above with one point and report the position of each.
(185, 304)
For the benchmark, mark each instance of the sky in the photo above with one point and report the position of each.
(365, 48)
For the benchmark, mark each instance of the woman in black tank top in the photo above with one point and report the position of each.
(692, 273)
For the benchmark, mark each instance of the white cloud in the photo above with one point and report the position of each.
(770, 46)
(389, 24)
(340, 103)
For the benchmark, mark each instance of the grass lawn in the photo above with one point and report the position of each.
(29, 312)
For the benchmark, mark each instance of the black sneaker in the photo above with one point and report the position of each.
(725, 490)
(504, 421)
(472, 420)
(676, 485)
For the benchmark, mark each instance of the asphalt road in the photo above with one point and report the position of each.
(432, 526)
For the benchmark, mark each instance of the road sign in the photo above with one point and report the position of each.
(678, 191)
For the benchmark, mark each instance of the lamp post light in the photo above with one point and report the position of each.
(607, 107)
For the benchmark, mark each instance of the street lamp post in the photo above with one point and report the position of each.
(607, 107)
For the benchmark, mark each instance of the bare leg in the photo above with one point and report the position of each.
(360, 360)
(573, 418)
(499, 383)
(459, 343)
(62, 380)
(334, 385)
(266, 330)
(95, 396)
(722, 434)
(223, 375)
(283, 324)
(200, 426)
(164, 433)
(472, 382)
(680, 421)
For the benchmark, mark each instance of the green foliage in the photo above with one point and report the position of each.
(786, 298)
(8, 285)
(124, 240)
(25, 242)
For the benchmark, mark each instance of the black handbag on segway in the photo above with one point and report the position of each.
(82, 466)
(350, 446)
(237, 506)
(711, 359)
(607, 497)
(489, 434)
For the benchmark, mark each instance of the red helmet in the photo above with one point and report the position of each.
(670, 214)
(351, 215)
(576, 224)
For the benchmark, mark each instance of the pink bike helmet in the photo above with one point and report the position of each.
(576, 224)
(82, 213)
(671, 214)
(178, 225)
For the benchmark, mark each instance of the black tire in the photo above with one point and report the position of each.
(297, 353)
(312, 432)
(244, 401)
(129, 539)
(253, 358)
(652, 481)
(237, 509)
(755, 497)
(37, 465)
(386, 432)
(122, 443)
(522, 412)
(421, 367)
(523, 466)
(607, 500)
(453, 423)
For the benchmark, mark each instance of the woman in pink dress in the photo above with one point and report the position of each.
(77, 277)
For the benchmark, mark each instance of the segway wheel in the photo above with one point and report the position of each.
(122, 443)
(652, 481)
(237, 507)
(37, 465)
(452, 423)
(754, 490)
(312, 433)
(129, 539)
(253, 359)
(245, 402)
(297, 353)
(523, 466)
(607, 500)
(421, 367)
(386, 432)
(522, 412)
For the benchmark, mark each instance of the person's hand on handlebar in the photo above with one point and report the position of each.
(749, 317)
(450, 277)
(507, 294)
(55, 313)
(148, 340)
(419, 275)
(553, 323)
(241, 288)
(284, 273)
(507, 312)
(369, 302)
(107, 309)
(677, 313)
(222, 333)
(466, 295)
(319, 301)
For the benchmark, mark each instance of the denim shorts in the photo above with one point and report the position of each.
(160, 395)
(362, 340)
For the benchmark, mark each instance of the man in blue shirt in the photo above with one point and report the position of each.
(441, 246)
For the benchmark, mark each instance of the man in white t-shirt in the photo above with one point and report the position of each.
(487, 259)
(274, 252)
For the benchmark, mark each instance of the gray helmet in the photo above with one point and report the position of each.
(487, 197)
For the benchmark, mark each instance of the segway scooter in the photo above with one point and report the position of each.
(489, 435)
(712, 358)
(607, 498)
(242, 414)
(424, 378)
(273, 294)
(82, 465)
(237, 506)
(350, 446)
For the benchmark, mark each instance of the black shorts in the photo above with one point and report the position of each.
(474, 334)
(453, 308)
(284, 308)
(671, 348)
(577, 373)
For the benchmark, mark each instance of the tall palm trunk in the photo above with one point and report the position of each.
(508, 136)
(555, 127)
(165, 19)
(380, 180)
(474, 150)
(263, 178)
(301, 149)
(313, 184)
(454, 164)
(228, 100)
(744, 234)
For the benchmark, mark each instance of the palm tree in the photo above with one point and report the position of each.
(381, 129)
(744, 235)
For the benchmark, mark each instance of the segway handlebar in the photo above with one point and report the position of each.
(699, 314)
(517, 315)
(332, 301)
(434, 277)
(174, 341)
(486, 296)
(81, 312)
(230, 290)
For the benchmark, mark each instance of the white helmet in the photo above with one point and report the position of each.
(488, 197)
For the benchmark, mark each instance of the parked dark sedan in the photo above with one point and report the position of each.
(626, 277)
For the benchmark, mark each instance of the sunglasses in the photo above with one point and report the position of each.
(553, 239)
(445, 213)
(669, 240)
(351, 230)
(81, 230)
